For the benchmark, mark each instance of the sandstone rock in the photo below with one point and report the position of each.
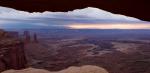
(83, 69)
(2, 34)
(27, 37)
(11, 53)
(35, 38)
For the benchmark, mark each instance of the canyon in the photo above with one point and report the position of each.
(12, 54)
(46, 52)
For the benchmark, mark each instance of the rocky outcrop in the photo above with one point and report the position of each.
(35, 38)
(13, 34)
(30, 37)
(83, 69)
(27, 37)
(11, 52)
(2, 34)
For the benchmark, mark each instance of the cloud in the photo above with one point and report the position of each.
(14, 18)
(86, 13)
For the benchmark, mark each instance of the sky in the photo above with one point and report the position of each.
(135, 8)
(86, 18)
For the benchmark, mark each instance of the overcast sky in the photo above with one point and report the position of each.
(87, 18)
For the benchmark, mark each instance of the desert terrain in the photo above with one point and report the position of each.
(66, 51)
(116, 56)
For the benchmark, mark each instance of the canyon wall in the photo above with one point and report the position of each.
(12, 54)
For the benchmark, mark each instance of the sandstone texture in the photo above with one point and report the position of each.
(12, 54)
(83, 69)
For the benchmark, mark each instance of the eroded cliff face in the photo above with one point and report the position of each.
(12, 54)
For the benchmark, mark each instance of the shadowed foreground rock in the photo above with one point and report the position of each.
(83, 69)
(11, 52)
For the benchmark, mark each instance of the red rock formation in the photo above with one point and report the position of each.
(35, 38)
(11, 53)
(2, 66)
(2, 34)
(27, 36)
(13, 34)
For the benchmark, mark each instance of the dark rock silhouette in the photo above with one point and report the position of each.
(2, 34)
(13, 34)
(35, 38)
(27, 37)
(12, 54)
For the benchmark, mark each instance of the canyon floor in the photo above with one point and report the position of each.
(115, 56)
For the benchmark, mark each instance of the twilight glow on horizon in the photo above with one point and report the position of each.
(109, 26)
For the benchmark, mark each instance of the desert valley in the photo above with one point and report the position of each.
(88, 40)
(114, 54)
